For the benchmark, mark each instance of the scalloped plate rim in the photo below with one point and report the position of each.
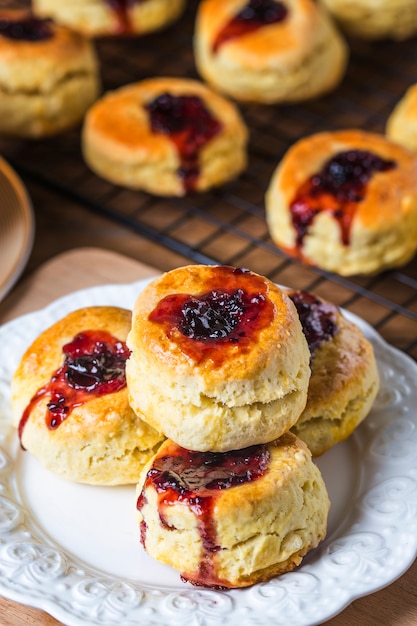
(110, 294)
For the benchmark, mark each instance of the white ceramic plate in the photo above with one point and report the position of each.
(74, 550)
(16, 227)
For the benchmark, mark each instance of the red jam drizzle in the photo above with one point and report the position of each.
(29, 28)
(337, 189)
(228, 316)
(190, 126)
(195, 479)
(121, 10)
(255, 15)
(318, 318)
(94, 365)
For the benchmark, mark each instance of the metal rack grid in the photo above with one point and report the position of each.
(227, 225)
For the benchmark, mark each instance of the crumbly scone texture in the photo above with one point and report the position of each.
(46, 86)
(402, 122)
(253, 396)
(375, 19)
(119, 144)
(343, 386)
(384, 229)
(97, 18)
(102, 442)
(263, 527)
(296, 59)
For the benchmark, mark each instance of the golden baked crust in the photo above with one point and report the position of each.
(237, 394)
(402, 123)
(383, 232)
(45, 85)
(119, 144)
(295, 59)
(343, 385)
(96, 18)
(262, 528)
(102, 441)
(375, 19)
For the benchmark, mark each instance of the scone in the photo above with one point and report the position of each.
(49, 75)
(70, 401)
(344, 376)
(375, 19)
(402, 123)
(268, 51)
(345, 201)
(168, 136)
(224, 357)
(232, 519)
(97, 18)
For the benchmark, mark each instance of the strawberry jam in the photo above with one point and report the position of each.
(121, 10)
(29, 28)
(94, 365)
(318, 318)
(337, 189)
(195, 479)
(227, 317)
(254, 15)
(190, 126)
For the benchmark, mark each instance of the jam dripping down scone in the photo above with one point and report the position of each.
(345, 201)
(98, 18)
(344, 376)
(167, 136)
(66, 82)
(70, 400)
(370, 19)
(402, 122)
(232, 519)
(224, 356)
(268, 51)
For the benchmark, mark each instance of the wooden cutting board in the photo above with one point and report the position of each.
(395, 605)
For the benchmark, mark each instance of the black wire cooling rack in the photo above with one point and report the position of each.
(227, 225)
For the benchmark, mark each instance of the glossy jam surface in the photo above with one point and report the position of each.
(190, 125)
(254, 15)
(94, 365)
(337, 189)
(195, 479)
(317, 318)
(28, 29)
(229, 315)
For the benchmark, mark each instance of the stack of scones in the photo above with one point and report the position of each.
(212, 396)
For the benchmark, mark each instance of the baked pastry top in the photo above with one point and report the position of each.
(345, 201)
(167, 136)
(48, 75)
(344, 378)
(402, 122)
(70, 401)
(375, 19)
(268, 51)
(98, 18)
(224, 355)
(232, 519)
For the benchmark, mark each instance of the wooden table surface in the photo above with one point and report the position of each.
(396, 605)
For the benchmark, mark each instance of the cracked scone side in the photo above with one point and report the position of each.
(254, 531)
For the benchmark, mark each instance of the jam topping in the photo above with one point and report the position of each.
(337, 189)
(254, 15)
(94, 365)
(318, 318)
(29, 28)
(189, 124)
(227, 317)
(195, 479)
(121, 10)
